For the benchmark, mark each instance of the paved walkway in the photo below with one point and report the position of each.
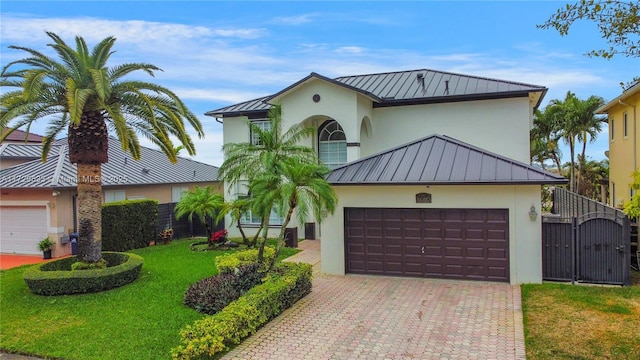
(373, 317)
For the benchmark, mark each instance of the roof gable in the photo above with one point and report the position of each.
(404, 88)
(438, 159)
(19, 135)
(604, 109)
(121, 170)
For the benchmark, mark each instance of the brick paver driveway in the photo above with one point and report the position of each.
(371, 317)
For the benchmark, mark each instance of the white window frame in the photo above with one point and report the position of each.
(178, 192)
(248, 218)
(114, 195)
(327, 155)
(263, 124)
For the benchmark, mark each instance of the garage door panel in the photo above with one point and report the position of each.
(22, 228)
(443, 243)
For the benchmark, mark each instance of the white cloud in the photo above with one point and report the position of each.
(294, 20)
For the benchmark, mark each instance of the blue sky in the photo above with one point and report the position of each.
(216, 53)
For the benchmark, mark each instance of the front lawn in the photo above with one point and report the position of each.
(582, 322)
(141, 320)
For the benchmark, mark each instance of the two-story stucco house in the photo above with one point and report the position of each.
(431, 170)
(624, 152)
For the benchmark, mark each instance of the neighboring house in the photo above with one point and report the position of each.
(18, 157)
(39, 199)
(431, 170)
(624, 152)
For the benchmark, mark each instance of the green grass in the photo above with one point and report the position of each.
(582, 322)
(137, 321)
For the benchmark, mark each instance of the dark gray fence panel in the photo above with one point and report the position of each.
(603, 249)
(558, 249)
(182, 227)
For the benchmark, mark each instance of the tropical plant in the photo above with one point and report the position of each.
(574, 121)
(632, 207)
(545, 137)
(81, 94)
(202, 202)
(45, 244)
(236, 209)
(299, 187)
(249, 160)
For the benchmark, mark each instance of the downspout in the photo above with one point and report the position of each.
(635, 135)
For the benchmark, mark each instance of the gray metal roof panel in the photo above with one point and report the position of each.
(402, 86)
(255, 105)
(121, 170)
(22, 151)
(443, 160)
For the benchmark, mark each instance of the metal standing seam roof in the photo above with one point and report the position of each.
(439, 159)
(22, 151)
(404, 87)
(121, 170)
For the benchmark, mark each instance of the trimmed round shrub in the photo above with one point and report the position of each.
(57, 278)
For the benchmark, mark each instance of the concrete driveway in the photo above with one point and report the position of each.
(371, 317)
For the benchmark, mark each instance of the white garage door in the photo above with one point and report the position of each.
(22, 228)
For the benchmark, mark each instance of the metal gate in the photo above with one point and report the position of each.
(591, 248)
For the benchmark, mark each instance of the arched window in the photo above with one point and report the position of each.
(332, 144)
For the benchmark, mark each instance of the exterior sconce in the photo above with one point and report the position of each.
(533, 215)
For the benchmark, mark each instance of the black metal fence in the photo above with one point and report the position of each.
(585, 241)
(182, 227)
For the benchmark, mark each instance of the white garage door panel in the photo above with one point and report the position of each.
(22, 228)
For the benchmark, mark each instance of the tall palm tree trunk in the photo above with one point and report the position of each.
(90, 212)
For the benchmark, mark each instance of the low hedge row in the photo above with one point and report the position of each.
(57, 278)
(212, 294)
(213, 334)
(228, 263)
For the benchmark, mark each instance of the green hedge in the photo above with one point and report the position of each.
(57, 278)
(128, 224)
(243, 317)
(228, 263)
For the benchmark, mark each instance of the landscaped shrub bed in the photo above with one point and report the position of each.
(212, 294)
(57, 278)
(228, 263)
(243, 317)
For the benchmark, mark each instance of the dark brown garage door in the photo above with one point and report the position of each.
(470, 244)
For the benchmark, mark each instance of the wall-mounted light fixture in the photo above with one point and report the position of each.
(55, 193)
(533, 215)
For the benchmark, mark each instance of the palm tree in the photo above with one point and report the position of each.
(202, 202)
(299, 187)
(247, 160)
(236, 209)
(545, 137)
(80, 94)
(252, 159)
(590, 126)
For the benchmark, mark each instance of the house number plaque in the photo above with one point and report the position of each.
(423, 198)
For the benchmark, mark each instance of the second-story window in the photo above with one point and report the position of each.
(263, 125)
(611, 128)
(332, 144)
(625, 125)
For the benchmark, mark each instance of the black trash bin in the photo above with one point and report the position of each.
(73, 237)
(291, 237)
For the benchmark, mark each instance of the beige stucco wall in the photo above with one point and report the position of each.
(500, 126)
(525, 249)
(60, 206)
(624, 151)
